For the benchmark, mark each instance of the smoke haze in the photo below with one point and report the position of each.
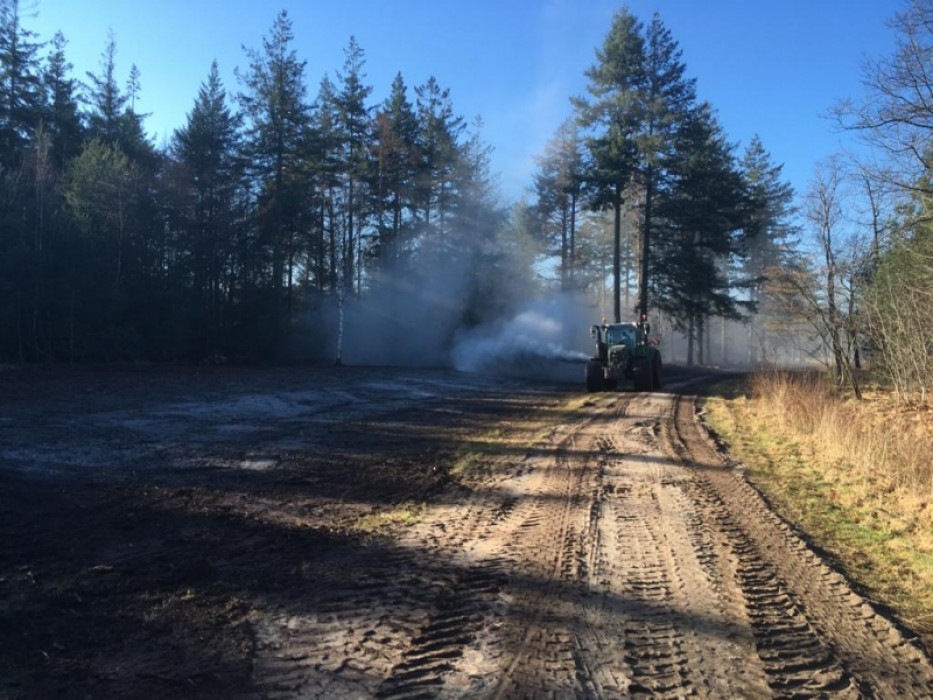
(402, 320)
(544, 338)
(418, 320)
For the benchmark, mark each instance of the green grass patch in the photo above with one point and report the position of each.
(467, 460)
(382, 520)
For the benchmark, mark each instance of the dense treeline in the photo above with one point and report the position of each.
(271, 210)
(643, 148)
(265, 205)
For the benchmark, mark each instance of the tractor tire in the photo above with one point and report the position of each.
(594, 376)
(641, 374)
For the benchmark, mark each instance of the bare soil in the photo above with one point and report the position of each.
(196, 533)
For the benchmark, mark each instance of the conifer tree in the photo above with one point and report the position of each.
(558, 189)
(207, 151)
(612, 119)
(277, 121)
(667, 102)
(324, 155)
(106, 99)
(354, 133)
(698, 226)
(396, 136)
(100, 193)
(438, 147)
(768, 234)
(62, 118)
(20, 88)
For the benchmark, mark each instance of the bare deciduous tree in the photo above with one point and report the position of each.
(896, 115)
(823, 292)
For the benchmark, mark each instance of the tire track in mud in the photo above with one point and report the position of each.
(417, 619)
(614, 610)
(620, 557)
(815, 636)
(677, 624)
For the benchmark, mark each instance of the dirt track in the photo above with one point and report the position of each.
(196, 535)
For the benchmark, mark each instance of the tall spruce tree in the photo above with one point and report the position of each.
(61, 117)
(20, 240)
(113, 117)
(477, 222)
(558, 186)
(105, 98)
(439, 149)
(396, 138)
(324, 153)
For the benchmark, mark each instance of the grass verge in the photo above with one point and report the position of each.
(380, 521)
(854, 476)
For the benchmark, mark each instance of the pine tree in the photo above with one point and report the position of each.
(62, 118)
(207, 151)
(396, 153)
(20, 88)
(612, 119)
(354, 130)
(699, 220)
(438, 147)
(277, 121)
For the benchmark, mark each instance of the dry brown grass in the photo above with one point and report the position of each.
(857, 477)
(876, 445)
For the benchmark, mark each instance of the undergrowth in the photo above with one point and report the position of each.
(855, 476)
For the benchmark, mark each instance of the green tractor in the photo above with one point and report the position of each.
(624, 353)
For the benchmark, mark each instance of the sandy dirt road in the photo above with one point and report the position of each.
(198, 535)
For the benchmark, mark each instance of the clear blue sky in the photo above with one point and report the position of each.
(768, 68)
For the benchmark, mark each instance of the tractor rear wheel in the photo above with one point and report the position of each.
(594, 376)
(641, 374)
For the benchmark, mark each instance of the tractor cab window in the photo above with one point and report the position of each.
(620, 335)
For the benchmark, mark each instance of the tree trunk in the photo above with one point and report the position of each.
(690, 332)
(616, 257)
(646, 245)
(701, 337)
(573, 242)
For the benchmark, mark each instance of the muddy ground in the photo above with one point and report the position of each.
(215, 533)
